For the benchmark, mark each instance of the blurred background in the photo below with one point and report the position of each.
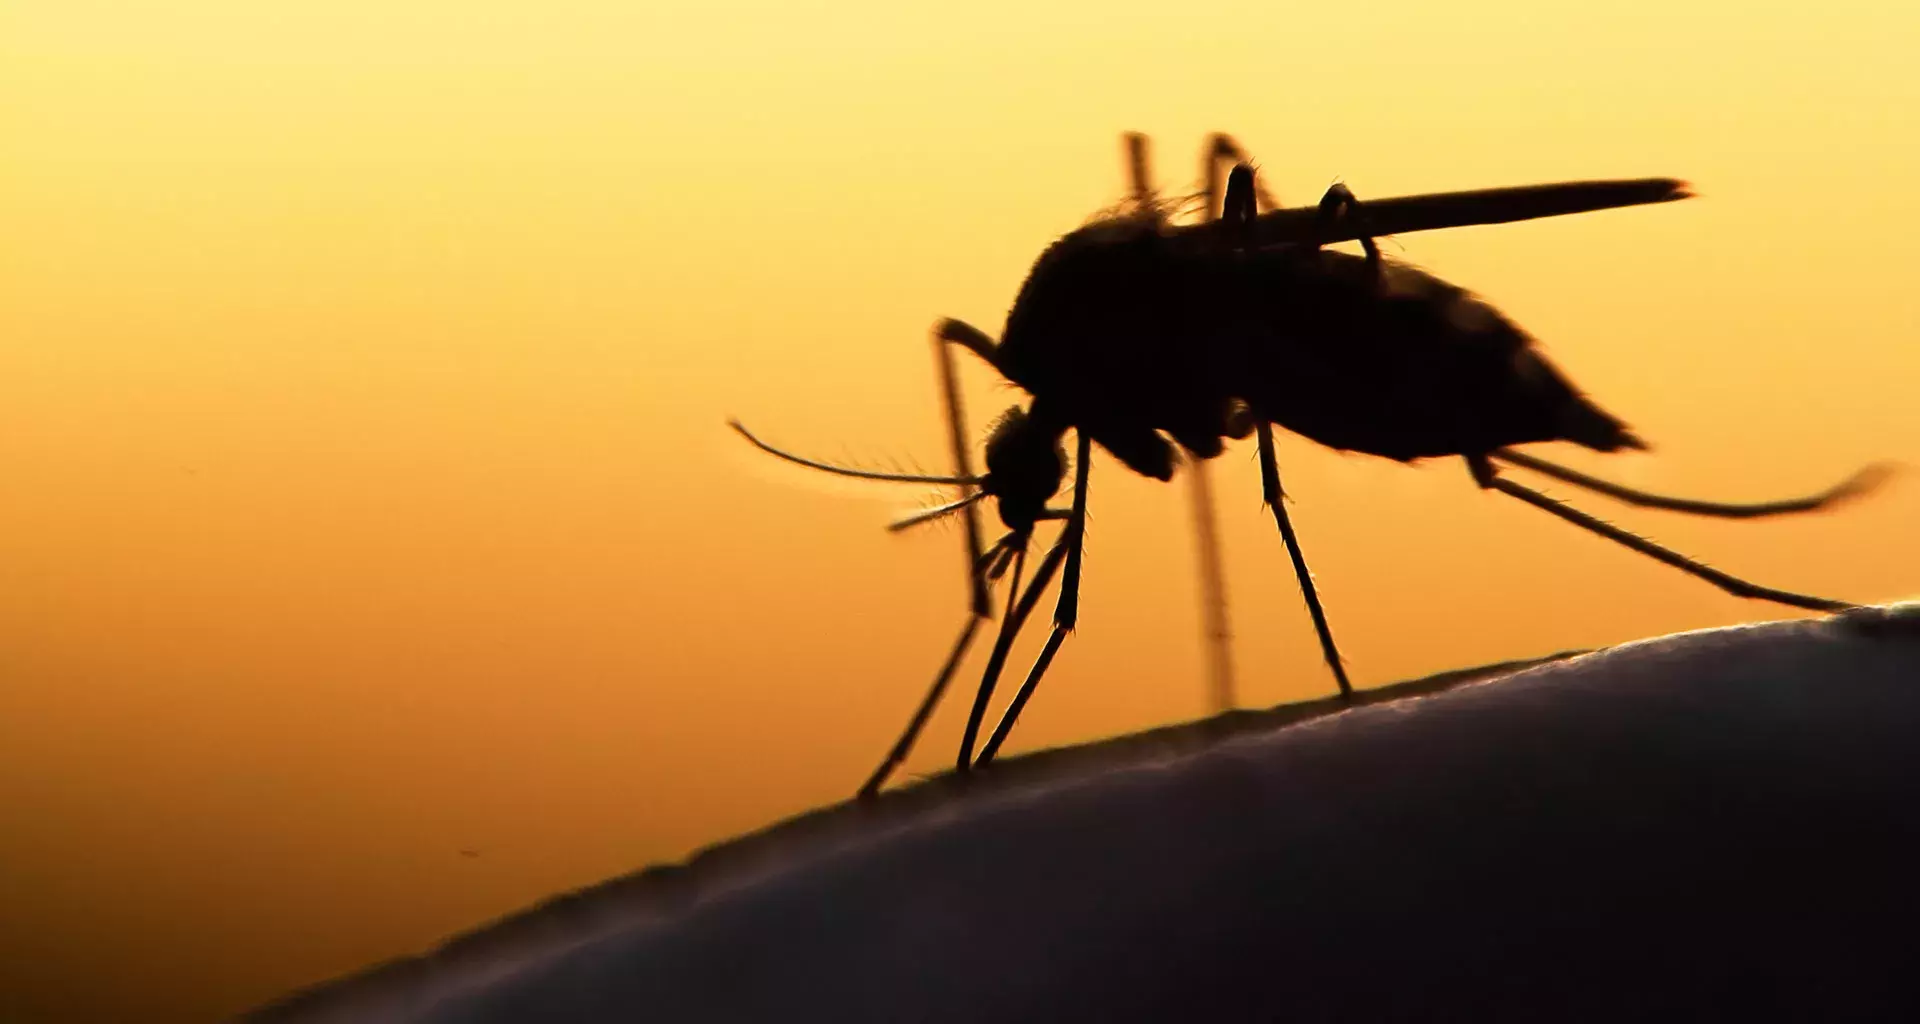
(374, 558)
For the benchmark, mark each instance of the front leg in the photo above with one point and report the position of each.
(1066, 613)
(986, 569)
(1019, 606)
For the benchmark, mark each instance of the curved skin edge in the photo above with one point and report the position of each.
(662, 890)
(672, 884)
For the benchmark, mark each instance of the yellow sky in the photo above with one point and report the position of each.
(363, 378)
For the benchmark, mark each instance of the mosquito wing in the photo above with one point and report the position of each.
(1403, 214)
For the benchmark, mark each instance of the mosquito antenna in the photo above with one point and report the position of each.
(863, 474)
(931, 514)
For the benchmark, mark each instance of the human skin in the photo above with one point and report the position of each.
(1710, 822)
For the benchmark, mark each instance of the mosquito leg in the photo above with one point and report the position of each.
(1139, 178)
(1010, 625)
(1270, 488)
(1066, 611)
(1009, 628)
(1338, 203)
(969, 337)
(989, 566)
(904, 745)
(1216, 632)
(1239, 207)
(1487, 476)
(1040, 664)
(1223, 152)
(1853, 487)
(981, 566)
(963, 464)
(1216, 635)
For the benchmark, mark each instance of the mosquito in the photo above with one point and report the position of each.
(1139, 335)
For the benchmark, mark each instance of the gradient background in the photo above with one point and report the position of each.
(363, 373)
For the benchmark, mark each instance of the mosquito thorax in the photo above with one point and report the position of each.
(1111, 289)
(1025, 466)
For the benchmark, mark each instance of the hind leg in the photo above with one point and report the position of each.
(1858, 485)
(1488, 477)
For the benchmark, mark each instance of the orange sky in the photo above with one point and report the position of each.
(363, 379)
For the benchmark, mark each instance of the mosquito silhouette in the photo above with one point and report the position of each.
(1141, 335)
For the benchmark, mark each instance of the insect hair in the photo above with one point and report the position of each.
(1157, 208)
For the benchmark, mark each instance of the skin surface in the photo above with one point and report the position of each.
(1700, 823)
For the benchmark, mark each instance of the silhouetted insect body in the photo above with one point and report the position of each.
(1132, 331)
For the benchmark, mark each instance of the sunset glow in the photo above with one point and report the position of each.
(364, 377)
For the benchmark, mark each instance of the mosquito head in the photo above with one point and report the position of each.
(1025, 466)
